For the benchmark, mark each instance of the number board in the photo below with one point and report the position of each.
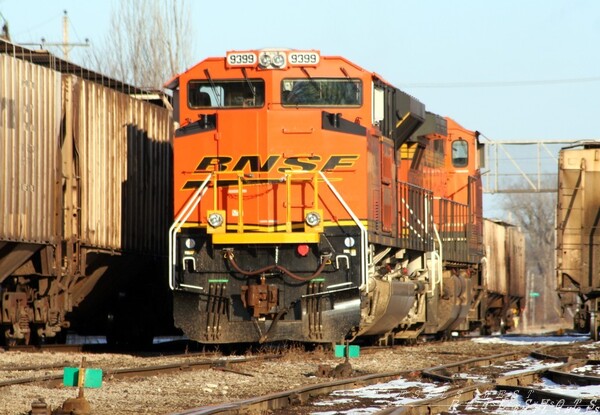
(303, 58)
(241, 59)
(295, 58)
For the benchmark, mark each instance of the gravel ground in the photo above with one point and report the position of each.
(169, 393)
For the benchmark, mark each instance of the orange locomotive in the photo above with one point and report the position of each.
(306, 205)
(444, 158)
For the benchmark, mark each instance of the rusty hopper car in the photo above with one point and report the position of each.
(578, 237)
(85, 174)
(305, 207)
(504, 275)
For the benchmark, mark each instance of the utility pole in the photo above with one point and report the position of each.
(65, 36)
(4, 34)
(65, 44)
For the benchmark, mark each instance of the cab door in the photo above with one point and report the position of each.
(388, 201)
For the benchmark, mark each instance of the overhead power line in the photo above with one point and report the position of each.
(501, 84)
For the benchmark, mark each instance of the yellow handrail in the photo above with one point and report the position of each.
(289, 177)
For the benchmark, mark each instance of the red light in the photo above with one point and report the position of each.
(303, 250)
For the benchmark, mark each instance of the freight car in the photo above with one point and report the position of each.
(577, 237)
(85, 173)
(503, 275)
(316, 202)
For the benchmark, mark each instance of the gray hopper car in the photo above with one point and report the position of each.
(85, 178)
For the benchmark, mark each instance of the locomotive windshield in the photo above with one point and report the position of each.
(329, 92)
(245, 93)
(460, 153)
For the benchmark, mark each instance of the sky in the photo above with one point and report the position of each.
(511, 69)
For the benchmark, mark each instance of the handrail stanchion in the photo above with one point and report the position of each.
(181, 218)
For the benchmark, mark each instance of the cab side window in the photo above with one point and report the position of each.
(460, 153)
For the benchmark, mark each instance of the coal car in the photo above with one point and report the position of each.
(85, 175)
(577, 237)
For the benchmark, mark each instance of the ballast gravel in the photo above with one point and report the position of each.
(183, 390)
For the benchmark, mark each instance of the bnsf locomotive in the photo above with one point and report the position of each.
(316, 202)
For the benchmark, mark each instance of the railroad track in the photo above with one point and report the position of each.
(174, 346)
(457, 385)
(59, 348)
(55, 379)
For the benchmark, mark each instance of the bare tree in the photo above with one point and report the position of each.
(149, 42)
(535, 213)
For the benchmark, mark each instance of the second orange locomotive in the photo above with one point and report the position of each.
(316, 202)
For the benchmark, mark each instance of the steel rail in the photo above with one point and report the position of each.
(514, 383)
(283, 400)
(565, 378)
(441, 372)
(110, 374)
(536, 395)
(461, 395)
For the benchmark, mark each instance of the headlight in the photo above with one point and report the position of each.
(190, 243)
(312, 219)
(271, 59)
(264, 60)
(215, 220)
(278, 60)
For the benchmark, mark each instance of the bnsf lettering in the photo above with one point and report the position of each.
(338, 161)
(255, 163)
(210, 163)
(295, 163)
